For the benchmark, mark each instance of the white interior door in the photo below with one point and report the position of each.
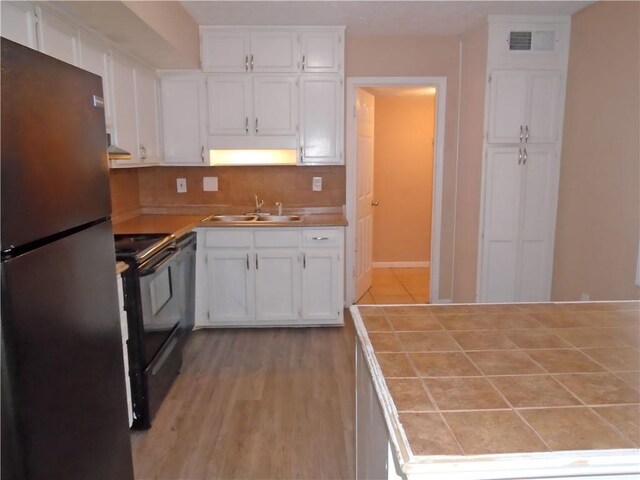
(365, 107)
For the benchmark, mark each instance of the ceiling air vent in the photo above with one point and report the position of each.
(543, 41)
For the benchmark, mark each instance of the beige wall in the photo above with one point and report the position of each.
(403, 178)
(599, 198)
(419, 56)
(237, 185)
(472, 96)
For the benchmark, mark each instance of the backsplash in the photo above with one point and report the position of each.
(125, 194)
(290, 185)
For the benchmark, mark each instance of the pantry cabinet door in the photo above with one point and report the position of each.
(229, 100)
(58, 38)
(231, 286)
(124, 96)
(544, 107)
(321, 52)
(539, 187)
(183, 103)
(147, 115)
(501, 224)
(321, 102)
(277, 273)
(507, 106)
(18, 23)
(275, 105)
(274, 52)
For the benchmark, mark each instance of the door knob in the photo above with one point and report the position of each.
(375, 204)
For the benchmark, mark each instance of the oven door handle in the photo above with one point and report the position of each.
(154, 267)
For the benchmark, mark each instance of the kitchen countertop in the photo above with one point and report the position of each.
(504, 388)
(121, 267)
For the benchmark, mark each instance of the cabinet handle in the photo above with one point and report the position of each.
(256, 124)
(202, 153)
(521, 136)
(524, 162)
(304, 62)
(246, 63)
(257, 266)
(301, 154)
(519, 156)
(252, 62)
(304, 260)
(246, 124)
(143, 152)
(248, 267)
(526, 137)
(319, 238)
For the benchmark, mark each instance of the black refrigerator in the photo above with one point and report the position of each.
(64, 413)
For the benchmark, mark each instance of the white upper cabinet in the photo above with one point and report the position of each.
(95, 58)
(252, 105)
(321, 51)
(58, 38)
(184, 118)
(147, 115)
(124, 95)
(19, 23)
(524, 106)
(321, 100)
(229, 50)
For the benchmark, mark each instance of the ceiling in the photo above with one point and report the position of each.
(403, 18)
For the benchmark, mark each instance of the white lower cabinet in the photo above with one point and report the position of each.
(269, 277)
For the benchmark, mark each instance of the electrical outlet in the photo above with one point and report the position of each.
(210, 184)
(585, 297)
(181, 184)
(316, 185)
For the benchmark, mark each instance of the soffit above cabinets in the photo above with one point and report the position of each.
(401, 18)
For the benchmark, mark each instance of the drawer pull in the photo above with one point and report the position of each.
(248, 268)
(320, 238)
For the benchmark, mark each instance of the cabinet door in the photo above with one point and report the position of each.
(320, 284)
(538, 207)
(147, 115)
(19, 23)
(231, 286)
(58, 38)
(544, 88)
(124, 96)
(274, 52)
(229, 99)
(94, 57)
(183, 103)
(321, 103)
(277, 285)
(321, 52)
(501, 223)
(275, 105)
(507, 106)
(225, 51)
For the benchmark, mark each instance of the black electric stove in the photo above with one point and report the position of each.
(159, 301)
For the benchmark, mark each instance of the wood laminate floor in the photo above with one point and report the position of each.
(257, 404)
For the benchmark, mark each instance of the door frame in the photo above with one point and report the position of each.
(440, 84)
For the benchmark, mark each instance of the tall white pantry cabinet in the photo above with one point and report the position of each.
(526, 77)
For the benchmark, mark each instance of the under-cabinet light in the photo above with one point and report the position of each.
(252, 157)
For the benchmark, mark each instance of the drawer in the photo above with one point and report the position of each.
(321, 238)
(277, 238)
(238, 238)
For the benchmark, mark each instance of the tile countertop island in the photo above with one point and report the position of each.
(498, 391)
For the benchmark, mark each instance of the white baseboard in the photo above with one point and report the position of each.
(401, 264)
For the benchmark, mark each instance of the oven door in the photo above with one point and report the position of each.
(160, 300)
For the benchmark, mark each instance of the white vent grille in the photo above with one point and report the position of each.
(520, 41)
(541, 41)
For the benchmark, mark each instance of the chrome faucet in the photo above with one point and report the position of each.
(259, 204)
(279, 205)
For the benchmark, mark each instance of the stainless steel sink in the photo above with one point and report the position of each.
(279, 218)
(231, 218)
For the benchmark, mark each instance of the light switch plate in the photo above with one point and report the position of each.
(181, 185)
(210, 184)
(316, 185)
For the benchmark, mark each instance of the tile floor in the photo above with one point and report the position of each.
(397, 286)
